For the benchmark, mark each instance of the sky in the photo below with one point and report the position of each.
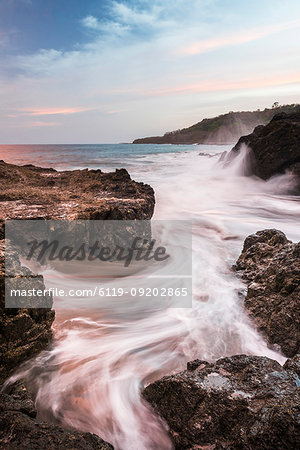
(109, 71)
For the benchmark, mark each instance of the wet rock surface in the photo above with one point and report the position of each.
(270, 266)
(240, 402)
(21, 429)
(275, 146)
(23, 332)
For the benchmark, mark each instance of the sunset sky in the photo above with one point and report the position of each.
(100, 71)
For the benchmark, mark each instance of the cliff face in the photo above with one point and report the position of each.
(224, 129)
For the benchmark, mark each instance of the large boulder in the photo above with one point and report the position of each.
(275, 146)
(240, 402)
(270, 266)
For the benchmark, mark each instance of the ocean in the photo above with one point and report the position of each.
(103, 156)
(92, 376)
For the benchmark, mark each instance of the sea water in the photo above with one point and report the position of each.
(92, 376)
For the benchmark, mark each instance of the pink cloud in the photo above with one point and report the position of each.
(214, 86)
(114, 111)
(236, 38)
(40, 124)
(51, 111)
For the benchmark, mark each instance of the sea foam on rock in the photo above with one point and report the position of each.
(275, 147)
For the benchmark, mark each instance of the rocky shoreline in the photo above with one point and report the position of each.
(245, 402)
(21, 429)
(29, 192)
(240, 402)
(249, 402)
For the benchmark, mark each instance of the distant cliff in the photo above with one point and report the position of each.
(223, 129)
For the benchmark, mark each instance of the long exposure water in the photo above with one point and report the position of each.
(92, 376)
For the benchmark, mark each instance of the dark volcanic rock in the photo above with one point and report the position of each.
(276, 146)
(20, 428)
(245, 402)
(293, 364)
(270, 265)
(241, 402)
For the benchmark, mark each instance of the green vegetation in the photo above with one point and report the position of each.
(223, 129)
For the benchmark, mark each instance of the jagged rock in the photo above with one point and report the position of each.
(275, 147)
(293, 364)
(28, 192)
(270, 265)
(240, 402)
(21, 429)
(23, 332)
